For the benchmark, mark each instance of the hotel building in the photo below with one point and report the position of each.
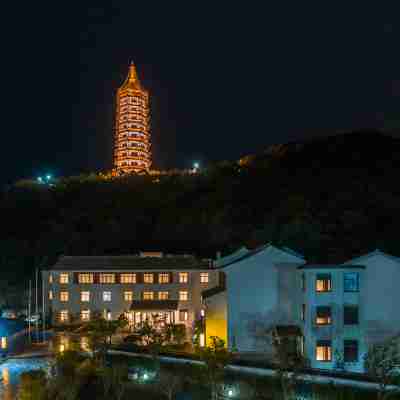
(132, 148)
(143, 287)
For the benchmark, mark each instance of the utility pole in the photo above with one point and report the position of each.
(37, 307)
(29, 308)
(43, 311)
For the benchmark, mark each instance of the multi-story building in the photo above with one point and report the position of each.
(334, 312)
(143, 287)
(132, 148)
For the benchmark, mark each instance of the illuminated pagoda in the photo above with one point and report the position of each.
(132, 148)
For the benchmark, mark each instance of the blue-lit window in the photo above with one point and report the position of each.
(351, 281)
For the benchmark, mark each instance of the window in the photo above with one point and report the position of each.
(64, 296)
(85, 296)
(63, 315)
(351, 281)
(128, 296)
(323, 316)
(183, 277)
(64, 278)
(203, 277)
(183, 315)
(303, 312)
(85, 278)
(163, 278)
(4, 342)
(350, 350)
(148, 278)
(323, 350)
(350, 315)
(50, 295)
(85, 315)
(148, 295)
(128, 278)
(303, 282)
(50, 278)
(163, 295)
(106, 296)
(323, 283)
(183, 295)
(107, 278)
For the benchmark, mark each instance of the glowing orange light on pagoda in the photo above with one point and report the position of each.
(132, 148)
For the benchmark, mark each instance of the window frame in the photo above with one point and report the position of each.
(128, 295)
(148, 292)
(326, 346)
(105, 278)
(346, 314)
(85, 281)
(327, 317)
(83, 295)
(346, 289)
(163, 278)
(185, 312)
(124, 278)
(326, 288)
(183, 277)
(85, 312)
(62, 276)
(181, 295)
(352, 344)
(204, 278)
(161, 293)
(64, 315)
(147, 275)
(104, 297)
(64, 293)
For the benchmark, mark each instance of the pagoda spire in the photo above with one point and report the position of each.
(132, 75)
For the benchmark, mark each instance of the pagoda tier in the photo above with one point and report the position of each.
(132, 148)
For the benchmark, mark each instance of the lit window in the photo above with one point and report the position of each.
(85, 296)
(64, 296)
(85, 315)
(350, 351)
(350, 315)
(163, 278)
(148, 295)
(148, 278)
(85, 278)
(63, 315)
(183, 315)
(183, 277)
(107, 278)
(183, 295)
(50, 295)
(4, 342)
(64, 278)
(50, 278)
(106, 296)
(351, 281)
(323, 350)
(323, 283)
(163, 295)
(128, 296)
(128, 278)
(203, 277)
(323, 316)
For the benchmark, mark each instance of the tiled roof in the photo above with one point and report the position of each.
(129, 262)
(330, 266)
(154, 305)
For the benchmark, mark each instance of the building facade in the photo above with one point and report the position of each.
(335, 311)
(145, 287)
(132, 147)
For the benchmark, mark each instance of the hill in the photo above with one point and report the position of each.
(328, 198)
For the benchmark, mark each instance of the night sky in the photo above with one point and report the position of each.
(224, 80)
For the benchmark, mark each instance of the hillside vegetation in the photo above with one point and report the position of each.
(329, 199)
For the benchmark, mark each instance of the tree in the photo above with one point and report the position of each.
(33, 386)
(382, 362)
(175, 333)
(114, 381)
(215, 357)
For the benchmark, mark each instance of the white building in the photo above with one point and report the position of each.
(340, 308)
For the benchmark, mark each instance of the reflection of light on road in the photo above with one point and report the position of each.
(6, 376)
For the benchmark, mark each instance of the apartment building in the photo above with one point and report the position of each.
(334, 312)
(145, 287)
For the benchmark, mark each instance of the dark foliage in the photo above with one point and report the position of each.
(329, 199)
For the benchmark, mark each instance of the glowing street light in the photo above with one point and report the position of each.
(40, 179)
(48, 177)
(196, 165)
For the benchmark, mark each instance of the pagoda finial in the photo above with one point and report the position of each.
(132, 77)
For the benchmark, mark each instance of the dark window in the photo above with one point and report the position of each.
(350, 350)
(303, 282)
(350, 315)
(323, 316)
(323, 283)
(351, 282)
